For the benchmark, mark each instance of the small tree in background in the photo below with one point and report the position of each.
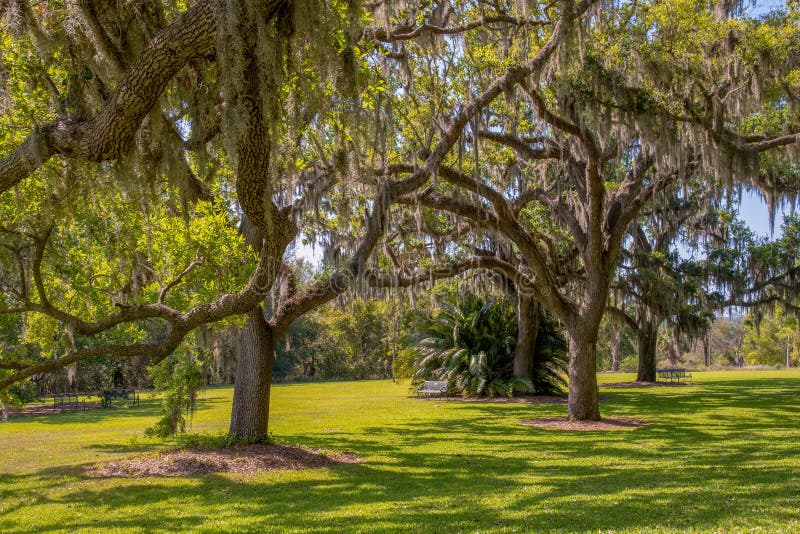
(768, 343)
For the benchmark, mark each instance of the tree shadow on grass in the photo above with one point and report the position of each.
(132, 447)
(473, 467)
(146, 408)
(440, 492)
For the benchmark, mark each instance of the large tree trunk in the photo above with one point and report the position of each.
(584, 402)
(527, 332)
(648, 342)
(250, 413)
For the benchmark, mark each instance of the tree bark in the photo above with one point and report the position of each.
(648, 341)
(527, 332)
(256, 354)
(584, 402)
(110, 133)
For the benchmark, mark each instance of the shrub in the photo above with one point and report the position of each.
(471, 343)
(181, 377)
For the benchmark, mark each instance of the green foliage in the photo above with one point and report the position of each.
(767, 344)
(338, 342)
(550, 358)
(181, 376)
(470, 344)
(19, 394)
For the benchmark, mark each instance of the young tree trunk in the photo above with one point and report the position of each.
(615, 348)
(707, 350)
(648, 341)
(250, 413)
(527, 332)
(584, 402)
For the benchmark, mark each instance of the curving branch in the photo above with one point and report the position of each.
(407, 33)
(621, 318)
(480, 262)
(137, 349)
(110, 133)
(551, 149)
(179, 323)
(546, 288)
(163, 293)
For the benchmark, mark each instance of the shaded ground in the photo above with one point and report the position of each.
(45, 408)
(718, 456)
(49, 408)
(526, 399)
(642, 384)
(608, 423)
(246, 459)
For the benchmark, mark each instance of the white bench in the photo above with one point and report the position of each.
(432, 388)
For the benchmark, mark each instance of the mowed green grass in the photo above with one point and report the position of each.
(721, 455)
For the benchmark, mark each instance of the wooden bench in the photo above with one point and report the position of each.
(674, 374)
(109, 395)
(432, 388)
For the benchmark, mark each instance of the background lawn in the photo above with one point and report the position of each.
(721, 455)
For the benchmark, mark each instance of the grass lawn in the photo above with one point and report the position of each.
(721, 455)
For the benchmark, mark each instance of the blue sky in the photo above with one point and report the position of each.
(755, 212)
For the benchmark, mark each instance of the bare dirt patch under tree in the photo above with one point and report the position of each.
(608, 423)
(244, 459)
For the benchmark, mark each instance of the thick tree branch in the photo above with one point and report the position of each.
(407, 33)
(551, 150)
(484, 262)
(621, 318)
(110, 133)
(137, 349)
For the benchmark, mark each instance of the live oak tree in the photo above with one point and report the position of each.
(738, 271)
(158, 97)
(153, 133)
(292, 304)
(637, 105)
(655, 286)
(755, 274)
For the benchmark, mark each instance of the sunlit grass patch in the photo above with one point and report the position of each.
(717, 455)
